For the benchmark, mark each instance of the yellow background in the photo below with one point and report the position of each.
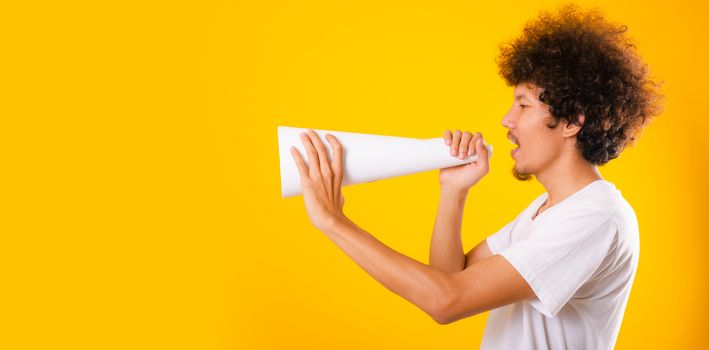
(141, 201)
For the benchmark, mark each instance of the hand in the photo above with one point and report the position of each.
(322, 180)
(464, 176)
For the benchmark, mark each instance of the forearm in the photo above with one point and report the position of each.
(426, 287)
(446, 251)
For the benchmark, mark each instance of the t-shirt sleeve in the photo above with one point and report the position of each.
(560, 255)
(501, 239)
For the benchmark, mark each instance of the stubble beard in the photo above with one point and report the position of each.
(521, 175)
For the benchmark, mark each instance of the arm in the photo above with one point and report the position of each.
(445, 296)
(487, 284)
(420, 284)
(478, 253)
(446, 251)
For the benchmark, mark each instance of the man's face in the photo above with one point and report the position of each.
(527, 120)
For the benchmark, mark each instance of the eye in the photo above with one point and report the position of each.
(522, 106)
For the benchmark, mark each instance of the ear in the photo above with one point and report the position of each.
(571, 129)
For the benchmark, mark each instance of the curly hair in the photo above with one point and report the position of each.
(584, 64)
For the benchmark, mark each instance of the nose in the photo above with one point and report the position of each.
(507, 120)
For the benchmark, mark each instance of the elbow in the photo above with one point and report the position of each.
(447, 304)
(442, 309)
(442, 320)
(442, 316)
(450, 309)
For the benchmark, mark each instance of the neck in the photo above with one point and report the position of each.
(566, 175)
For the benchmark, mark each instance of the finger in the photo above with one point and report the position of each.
(473, 143)
(322, 154)
(481, 150)
(325, 171)
(337, 168)
(447, 137)
(464, 140)
(454, 142)
(314, 168)
(300, 164)
(337, 162)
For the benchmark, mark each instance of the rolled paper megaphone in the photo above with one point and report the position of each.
(367, 157)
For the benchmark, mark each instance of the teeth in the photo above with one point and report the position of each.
(513, 140)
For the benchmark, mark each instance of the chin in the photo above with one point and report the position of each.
(521, 174)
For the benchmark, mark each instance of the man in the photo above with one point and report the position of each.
(559, 275)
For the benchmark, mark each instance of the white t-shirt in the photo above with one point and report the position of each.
(580, 257)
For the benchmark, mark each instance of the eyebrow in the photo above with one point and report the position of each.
(519, 97)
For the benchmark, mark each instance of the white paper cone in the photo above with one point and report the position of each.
(367, 157)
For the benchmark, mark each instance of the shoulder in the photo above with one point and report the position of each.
(614, 215)
(599, 195)
(607, 200)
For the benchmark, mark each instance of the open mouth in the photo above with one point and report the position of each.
(515, 142)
